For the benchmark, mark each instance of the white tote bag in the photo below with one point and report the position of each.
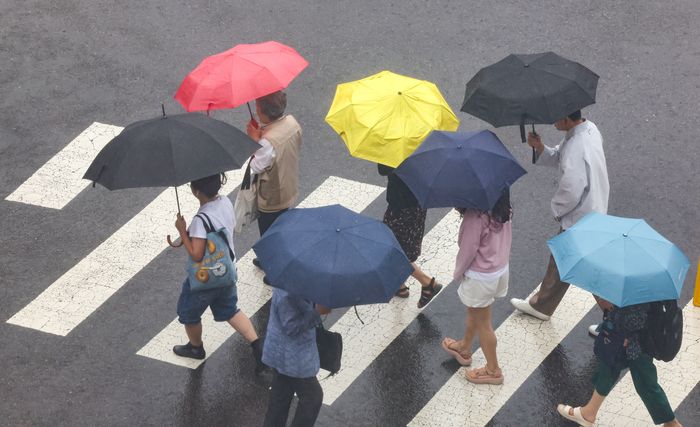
(245, 209)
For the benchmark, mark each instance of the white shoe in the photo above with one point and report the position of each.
(525, 307)
(592, 330)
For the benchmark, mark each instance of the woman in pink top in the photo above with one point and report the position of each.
(482, 267)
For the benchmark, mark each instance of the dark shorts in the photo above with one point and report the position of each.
(192, 305)
(408, 225)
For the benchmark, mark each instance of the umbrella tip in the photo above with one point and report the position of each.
(624, 234)
(163, 107)
(338, 230)
(399, 93)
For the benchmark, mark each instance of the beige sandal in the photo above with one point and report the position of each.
(484, 376)
(457, 354)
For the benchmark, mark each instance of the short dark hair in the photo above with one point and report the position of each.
(575, 116)
(273, 105)
(210, 185)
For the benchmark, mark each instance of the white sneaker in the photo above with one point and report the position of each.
(525, 307)
(592, 330)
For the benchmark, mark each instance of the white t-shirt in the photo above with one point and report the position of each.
(220, 212)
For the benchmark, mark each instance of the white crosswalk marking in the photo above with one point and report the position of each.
(252, 293)
(61, 178)
(624, 408)
(81, 290)
(384, 322)
(523, 343)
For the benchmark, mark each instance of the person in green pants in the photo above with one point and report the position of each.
(631, 322)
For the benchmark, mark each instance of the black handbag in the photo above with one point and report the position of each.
(610, 347)
(330, 348)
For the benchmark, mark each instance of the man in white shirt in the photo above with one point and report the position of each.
(583, 188)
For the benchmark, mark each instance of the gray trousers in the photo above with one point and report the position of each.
(551, 292)
(552, 289)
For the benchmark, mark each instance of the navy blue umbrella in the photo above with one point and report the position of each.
(333, 256)
(460, 169)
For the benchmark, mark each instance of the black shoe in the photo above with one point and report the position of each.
(257, 263)
(191, 351)
(266, 281)
(257, 346)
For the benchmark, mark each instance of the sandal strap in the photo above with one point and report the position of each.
(430, 285)
(484, 371)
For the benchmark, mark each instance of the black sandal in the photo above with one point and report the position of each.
(402, 292)
(427, 293)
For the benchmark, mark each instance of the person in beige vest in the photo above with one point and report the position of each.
(277, 161)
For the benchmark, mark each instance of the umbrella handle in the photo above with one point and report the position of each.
(534, 153)
(174, 245)
(250, 111)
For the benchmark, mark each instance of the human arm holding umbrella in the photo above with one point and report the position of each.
(546, 156)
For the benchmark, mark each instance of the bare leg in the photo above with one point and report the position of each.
(590, 411)
(469, 333)
(194, 333)
(242, 325)
(418, 274)
(481, 318)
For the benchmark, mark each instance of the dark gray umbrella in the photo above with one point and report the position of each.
(170, 151)
(538, 88)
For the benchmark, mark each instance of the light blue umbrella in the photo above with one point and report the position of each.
(623, 260)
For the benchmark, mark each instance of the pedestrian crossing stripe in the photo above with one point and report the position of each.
(61, 179)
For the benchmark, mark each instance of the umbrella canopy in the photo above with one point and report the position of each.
(239, 75)
(622, 260)
(460, 169)
(383, 118)
(170, 151)
(333, 256)
(538, 88)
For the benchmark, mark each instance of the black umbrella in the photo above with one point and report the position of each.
(538, 88)
(170, 151)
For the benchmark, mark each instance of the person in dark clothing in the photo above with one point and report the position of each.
(630, 322)
(406, 219)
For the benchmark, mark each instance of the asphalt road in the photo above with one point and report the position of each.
(67, 64)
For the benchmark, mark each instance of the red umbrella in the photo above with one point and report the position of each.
(239, 75)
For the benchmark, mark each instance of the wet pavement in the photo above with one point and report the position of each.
(65, 66)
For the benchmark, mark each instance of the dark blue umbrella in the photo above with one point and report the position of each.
(460, 169)
(333, 256)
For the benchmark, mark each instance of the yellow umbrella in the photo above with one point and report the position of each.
(384, 118)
